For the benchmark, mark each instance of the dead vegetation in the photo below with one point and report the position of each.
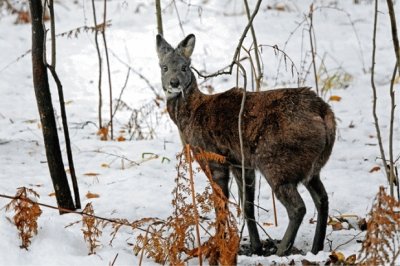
(26, 213)
(382, 242)
(174, 240)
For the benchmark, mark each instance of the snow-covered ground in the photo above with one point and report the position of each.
(133, 191)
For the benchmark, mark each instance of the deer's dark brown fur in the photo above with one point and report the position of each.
(288, 135)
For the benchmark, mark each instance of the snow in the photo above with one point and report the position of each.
(136, 191)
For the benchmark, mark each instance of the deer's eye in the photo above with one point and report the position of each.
(184, 68)
(164, 68)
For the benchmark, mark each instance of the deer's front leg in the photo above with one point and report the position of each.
(250, 179)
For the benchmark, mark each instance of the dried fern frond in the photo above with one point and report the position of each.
(382, 242)
(176, 239)
(206, 156)
(26, 214)
(91, 230)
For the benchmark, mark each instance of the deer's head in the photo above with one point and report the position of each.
(176, 75)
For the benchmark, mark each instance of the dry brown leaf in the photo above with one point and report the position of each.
(335, 98)
(52, 194)
(103, 133)
(91, 174)
(351, 259)
(337, 257)
(105, 165)
(267, 224)
(121, 138)
(23, 17)
(91, 195)
(375, 169)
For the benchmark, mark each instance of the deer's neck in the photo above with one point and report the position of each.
(181, 107)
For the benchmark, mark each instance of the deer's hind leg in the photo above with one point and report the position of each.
(284, 185)
(320, 198)
(288, 195)
(256, 246)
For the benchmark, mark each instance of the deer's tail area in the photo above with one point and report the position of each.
(330, 124)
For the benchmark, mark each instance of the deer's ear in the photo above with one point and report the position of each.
(186, 46)
(163, 47)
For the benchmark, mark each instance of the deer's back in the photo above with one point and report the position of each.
(283, 126)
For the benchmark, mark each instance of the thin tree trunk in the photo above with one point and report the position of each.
(103, 33)
(394, 33)
(375, 98)
(159, 18)
(96, 40)
(46, 111)
(392, 93)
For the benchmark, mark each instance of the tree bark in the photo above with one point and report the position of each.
(46, 111)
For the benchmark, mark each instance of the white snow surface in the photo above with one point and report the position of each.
(136, 191)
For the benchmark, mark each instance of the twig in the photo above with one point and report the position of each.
(244, 200)
(118, 156)
(103, 34)
(235, 58)
(120, 94)
(353, 27)
(285, 56)
(146, 80)
(311, 33)
(115, 259)
(291, 34)
(348, 241)
(391, 129)
(64, 210)
(256, 51)
(196, 214)
(377, 127)
(253, 70)
(96, 34)
(179, 18)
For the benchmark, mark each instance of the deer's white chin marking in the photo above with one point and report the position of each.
(174, 92)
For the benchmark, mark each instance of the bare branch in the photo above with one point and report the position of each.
(377, 127)
(256, 51)
(96, 34)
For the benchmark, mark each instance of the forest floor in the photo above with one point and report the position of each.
(134, 178)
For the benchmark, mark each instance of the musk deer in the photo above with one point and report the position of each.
(288, 135)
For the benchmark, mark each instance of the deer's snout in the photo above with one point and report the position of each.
(174, 83)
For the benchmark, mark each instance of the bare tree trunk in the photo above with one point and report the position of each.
(46, 111)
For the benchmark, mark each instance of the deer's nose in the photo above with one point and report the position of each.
(174, 83)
